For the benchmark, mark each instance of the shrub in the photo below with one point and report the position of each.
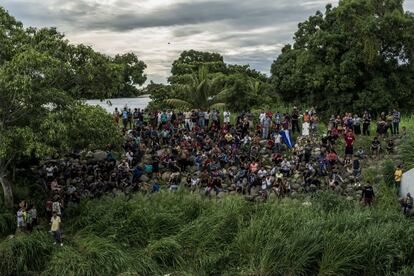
(25, 253)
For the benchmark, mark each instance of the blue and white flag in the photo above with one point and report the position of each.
(286, 138)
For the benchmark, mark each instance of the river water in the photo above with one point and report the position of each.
(109, 105)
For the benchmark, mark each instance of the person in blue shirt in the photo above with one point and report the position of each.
(396, 117)
(125, 117)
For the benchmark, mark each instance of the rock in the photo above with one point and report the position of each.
(144, 178)
(183, 181)
(98, 156)
(349, 189)
(88, 155)
(255, 190)
(165, 176)
(296, 186)
(263, 143)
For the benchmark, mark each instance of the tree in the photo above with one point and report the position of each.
(42, 77)
(71, 129)
(203, 91)
(357, 55)
(191, 61)
(158, 93)
(133, 73)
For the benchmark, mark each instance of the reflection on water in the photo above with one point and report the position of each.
(120, 103)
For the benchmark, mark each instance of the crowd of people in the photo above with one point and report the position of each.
(219, 153)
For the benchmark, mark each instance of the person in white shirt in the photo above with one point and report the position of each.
(285, 167)
(262, 116)
(278, 140)
(226, 115)
(247, 139)
(262, 173)
(187, 116)
(305, 129)
(159, 118)
(130, 156)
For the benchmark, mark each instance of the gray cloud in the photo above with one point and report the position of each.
(244, 31)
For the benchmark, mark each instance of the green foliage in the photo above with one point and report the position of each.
(191, 61)
(202, 91)
(187, 234)
(25, 254)
(388, 172)
(133, 73)
(7, 223)
(42, 77)
(201, 80)
(356, 55)
(165, 252)
(73, 128)
(406, 151)
(89, 255)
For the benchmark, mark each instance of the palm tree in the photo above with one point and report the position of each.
(202, 92)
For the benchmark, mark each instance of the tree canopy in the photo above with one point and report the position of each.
(202, 80)
(357, 55)
(42, 78)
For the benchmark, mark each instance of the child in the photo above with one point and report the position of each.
(55, 223)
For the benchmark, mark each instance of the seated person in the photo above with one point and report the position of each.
(390, 146)
(375, 146)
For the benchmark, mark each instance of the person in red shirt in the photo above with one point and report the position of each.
(349, 143)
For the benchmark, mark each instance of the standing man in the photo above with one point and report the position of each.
(408, 204)
(295, 120)
(116, 116)
(396, 122)
(397, 178)
(226, 117)
(349, 143)
(187, 119)
(368, 195)
(125, 118)
(366, 122)
(266, 126)
(55, 223)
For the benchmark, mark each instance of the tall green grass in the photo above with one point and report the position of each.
(186, 234)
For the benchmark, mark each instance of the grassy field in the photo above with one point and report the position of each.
(187, 234)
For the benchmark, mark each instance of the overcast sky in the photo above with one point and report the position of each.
(243, 31)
